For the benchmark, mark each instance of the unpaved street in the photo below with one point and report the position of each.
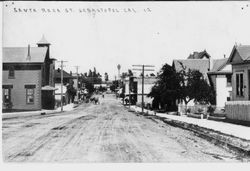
(104, 133)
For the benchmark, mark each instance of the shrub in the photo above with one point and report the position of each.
(188, 110)
(210, 109)
(200, 110)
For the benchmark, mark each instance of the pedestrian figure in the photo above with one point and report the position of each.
(102, 95)
(96, 100)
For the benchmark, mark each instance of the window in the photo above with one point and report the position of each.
(239, 84)
(6, 95)
(11, 72)
(30, 91)
(30, 96)
(229, 80)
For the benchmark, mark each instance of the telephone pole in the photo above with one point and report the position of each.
(62, 83)
(143, 70)
(77, 83)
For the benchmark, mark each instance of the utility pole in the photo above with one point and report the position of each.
(77, 83)
(129, 90)
(142, 90)
(62, 83)
(129, 86)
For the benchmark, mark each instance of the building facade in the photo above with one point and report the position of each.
(240, 61)
(239, 108)
(220, 78)
(26, 75)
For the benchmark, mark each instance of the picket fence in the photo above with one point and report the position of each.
(238, 110)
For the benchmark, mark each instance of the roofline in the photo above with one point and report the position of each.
(231, 56)
(223, 65)
(24, 47)
(219, 73)
(188, 59)
(43, 43)
(24, 63)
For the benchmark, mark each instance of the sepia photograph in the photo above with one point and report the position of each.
(125, 82)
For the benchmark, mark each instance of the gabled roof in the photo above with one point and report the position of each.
(43, 41)
(243, 51)
(199, 55)
(20, 54)
(57, 74)
(201, 65)
(218, 65)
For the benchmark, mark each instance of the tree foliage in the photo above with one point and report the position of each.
(166, 89)
(193, 86)
(89, 79)
(185, 85)
(106, 77)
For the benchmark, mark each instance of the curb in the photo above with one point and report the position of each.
(223, 140)
(25, 115)
(35, 113)
(218, 138)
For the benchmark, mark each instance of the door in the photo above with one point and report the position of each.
(7, 98)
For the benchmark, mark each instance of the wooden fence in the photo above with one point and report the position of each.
(195, 108)
(238, 110)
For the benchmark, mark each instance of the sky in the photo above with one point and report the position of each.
(150, 33)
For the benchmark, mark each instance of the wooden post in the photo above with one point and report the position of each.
(142, 90)
(62, 84)
(143, 69)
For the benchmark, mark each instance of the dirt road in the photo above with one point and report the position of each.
(104, 133)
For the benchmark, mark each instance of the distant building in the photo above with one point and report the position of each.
(104, 85)
(199, 55)
(220, 78)
(27, 77)
(202, 65)
(149, 82)
(67, 78)
(136, 89)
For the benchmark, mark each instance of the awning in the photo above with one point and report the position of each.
(49, 88)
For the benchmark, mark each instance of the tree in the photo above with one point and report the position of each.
(166, 90)
(184, 85)
(106, 76)
(114, 85)
(90, 73)
(71, 91)
(90, 87)
(193, 86)
(152, 74)
(94, 73)
(130, 73)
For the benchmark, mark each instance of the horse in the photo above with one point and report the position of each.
(95, 100)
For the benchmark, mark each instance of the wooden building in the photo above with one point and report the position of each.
(239, 107)
(27, 78)
(220, 78)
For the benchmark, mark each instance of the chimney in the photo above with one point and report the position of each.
(28, 55)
